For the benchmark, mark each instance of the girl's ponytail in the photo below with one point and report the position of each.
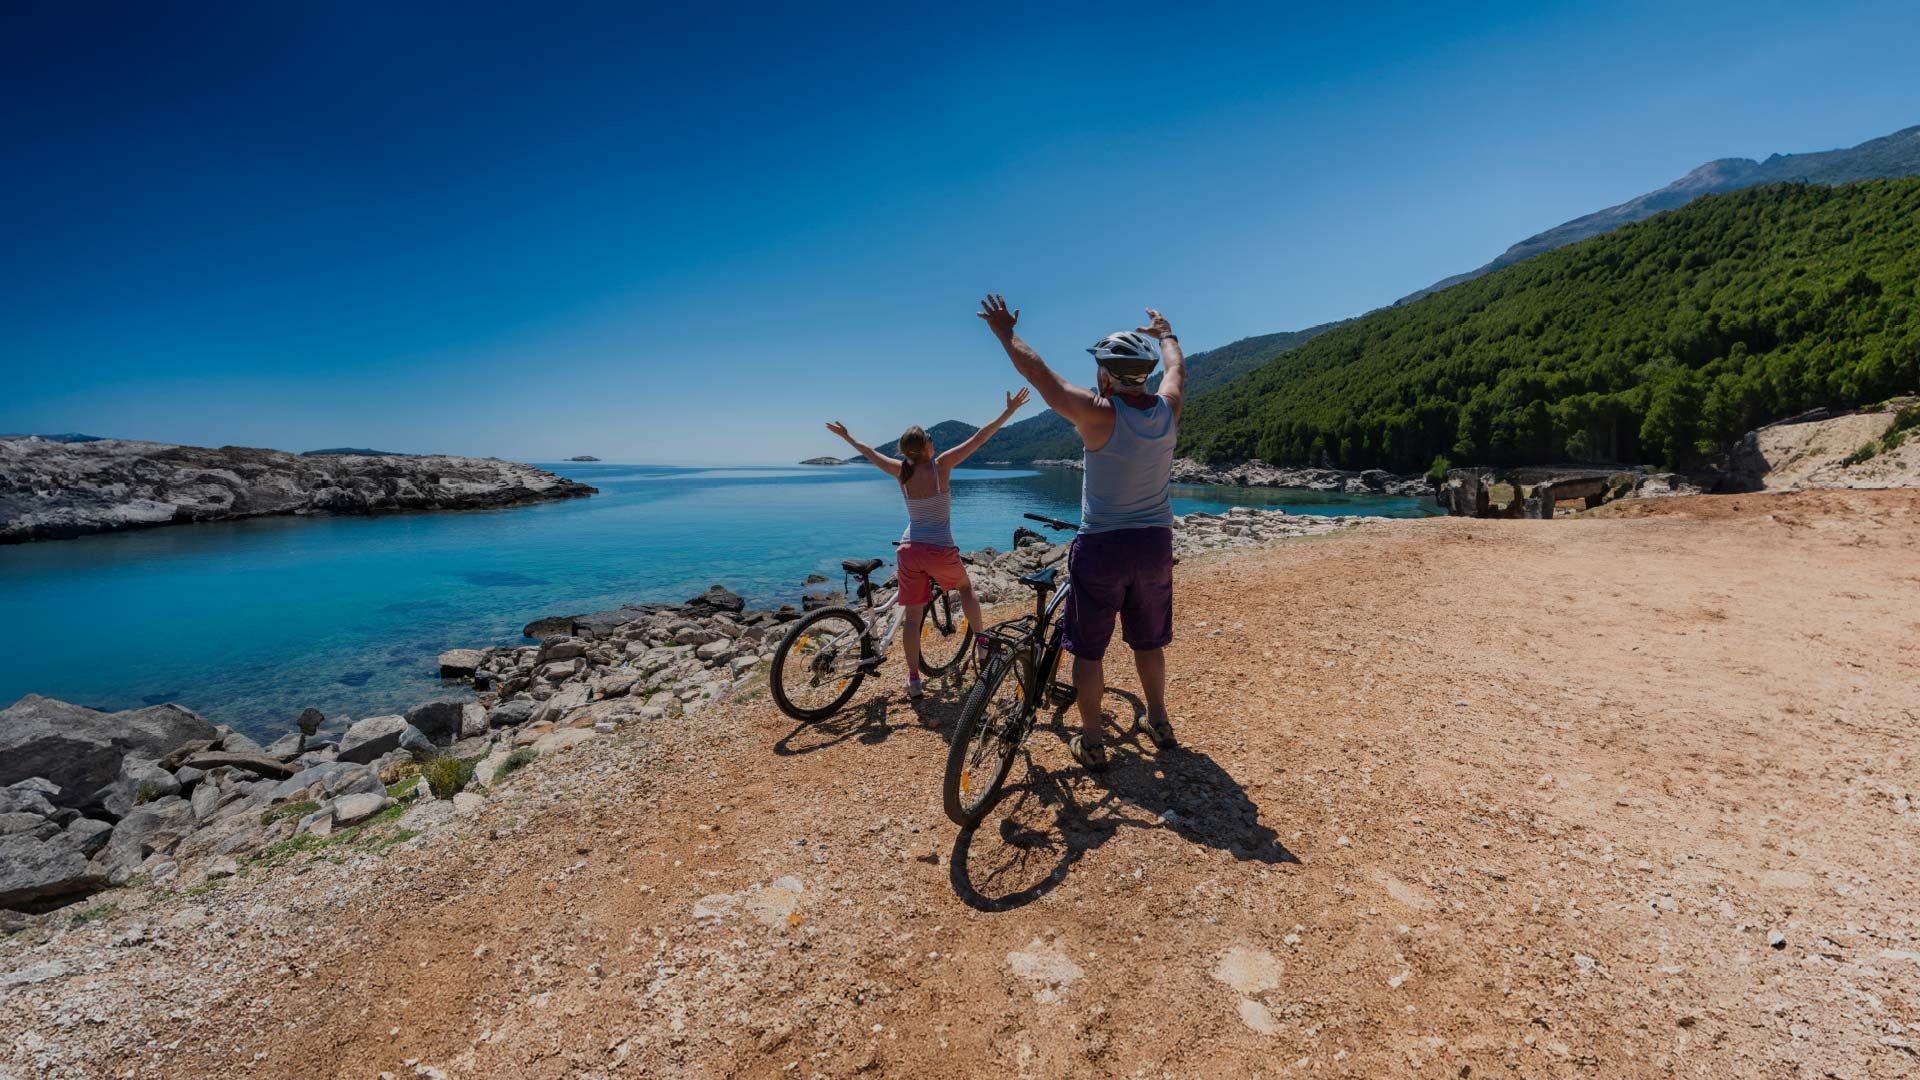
(913, 446)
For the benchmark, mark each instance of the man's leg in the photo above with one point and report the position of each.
(1152, 666)
(1089, 685)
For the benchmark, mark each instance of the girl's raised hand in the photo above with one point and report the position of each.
(1015, 400)
(839, 429)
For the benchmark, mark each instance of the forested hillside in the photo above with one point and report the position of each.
(1658, 342)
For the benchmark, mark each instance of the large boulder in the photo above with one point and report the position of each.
(437, 720)
(34, 872)
(461, 663)
(354, 809)
(259, 764)
(140, 781)
(511, 713)
(368, 739)
(80, 750)
(147, 828)
(326, 781)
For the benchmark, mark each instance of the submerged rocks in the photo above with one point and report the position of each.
(79, 750)
(718, 598)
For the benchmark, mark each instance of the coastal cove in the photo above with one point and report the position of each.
(248, 622)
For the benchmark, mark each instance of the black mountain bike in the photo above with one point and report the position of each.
(1020, 658)
(824, 657)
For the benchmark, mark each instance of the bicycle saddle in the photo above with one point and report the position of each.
(1041, 579)
(861, 567)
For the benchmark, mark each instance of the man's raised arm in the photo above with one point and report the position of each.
(1173, 385)
(1076, 403)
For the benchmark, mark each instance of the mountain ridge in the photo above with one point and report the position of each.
(1885, 157)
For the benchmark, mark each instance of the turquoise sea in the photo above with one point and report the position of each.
(249, 622)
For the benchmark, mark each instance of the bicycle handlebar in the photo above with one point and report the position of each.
(1052, 523)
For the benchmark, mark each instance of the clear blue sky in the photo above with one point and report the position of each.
(692, 235)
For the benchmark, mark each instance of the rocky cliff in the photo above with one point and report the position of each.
(52, 490)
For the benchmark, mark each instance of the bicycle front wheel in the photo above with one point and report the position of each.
(992, 723)
(943, 634)
(818, 664)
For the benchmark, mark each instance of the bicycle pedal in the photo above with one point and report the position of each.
(871, 663)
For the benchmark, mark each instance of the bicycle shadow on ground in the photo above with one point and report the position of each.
(1049, 818)
(874, 720)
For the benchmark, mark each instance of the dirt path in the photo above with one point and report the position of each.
(1457, 798)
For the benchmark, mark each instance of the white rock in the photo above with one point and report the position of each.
(1249, 971)
(1258, 1017)
(353, 809)
(1042, 962)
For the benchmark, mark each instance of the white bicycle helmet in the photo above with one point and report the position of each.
(1127, 355)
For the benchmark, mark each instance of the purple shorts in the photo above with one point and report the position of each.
(1129, 573)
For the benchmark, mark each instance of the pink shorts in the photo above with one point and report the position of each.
(923, 564)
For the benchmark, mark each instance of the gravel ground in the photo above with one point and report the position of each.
(1628, 795)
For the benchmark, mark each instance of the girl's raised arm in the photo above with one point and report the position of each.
(891, 466)
(965, 450)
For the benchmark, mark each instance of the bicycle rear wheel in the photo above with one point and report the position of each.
(943, 634)
(988, 735)
(817, 666)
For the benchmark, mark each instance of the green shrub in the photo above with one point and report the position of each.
(516, 761)
(447, 775)
(1865, 452)
(403, 787)
(1439, 469)
(96, 913)
(295, 810)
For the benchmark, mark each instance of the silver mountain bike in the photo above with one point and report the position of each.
(825, 656)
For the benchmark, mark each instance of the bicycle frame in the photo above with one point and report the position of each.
(885, 618)
(1041, 637)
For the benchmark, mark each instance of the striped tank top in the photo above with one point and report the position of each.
(930, 520)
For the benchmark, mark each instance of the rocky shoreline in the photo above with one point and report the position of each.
(91, 801)
(52, 490)
(1261, 474)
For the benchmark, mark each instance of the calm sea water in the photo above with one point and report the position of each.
(249, 622)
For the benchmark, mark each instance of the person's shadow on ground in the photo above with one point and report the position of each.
(1044, 822)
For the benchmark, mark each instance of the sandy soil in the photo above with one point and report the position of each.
(1457, 798)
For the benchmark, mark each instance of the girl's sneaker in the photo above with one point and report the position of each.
(914, 690)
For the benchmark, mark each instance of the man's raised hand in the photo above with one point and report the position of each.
(1015, 400)
(1157, 326)
(999, 319)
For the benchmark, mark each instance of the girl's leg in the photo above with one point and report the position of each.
(970, 603)
(912, 630)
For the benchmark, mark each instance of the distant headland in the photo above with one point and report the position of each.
(52, 490)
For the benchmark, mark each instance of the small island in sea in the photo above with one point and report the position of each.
(823, 461)
(583, 457)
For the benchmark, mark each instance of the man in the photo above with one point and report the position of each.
(1122, 560)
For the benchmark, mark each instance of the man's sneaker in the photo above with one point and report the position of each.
(915, 691)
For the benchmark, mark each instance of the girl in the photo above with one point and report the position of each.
(929, 553)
